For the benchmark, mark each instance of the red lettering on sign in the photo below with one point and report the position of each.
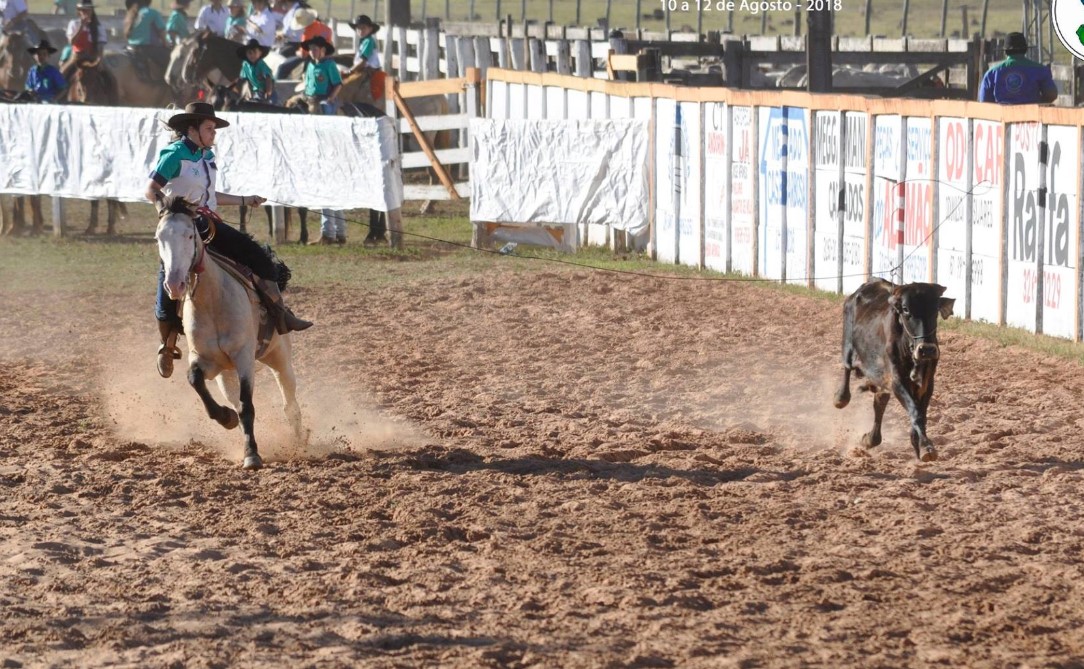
(989, 156)
(955, 151)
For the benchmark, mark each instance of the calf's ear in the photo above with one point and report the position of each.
(944, 305)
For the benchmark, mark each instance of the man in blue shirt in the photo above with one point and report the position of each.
(44, 81)
(1018, 80)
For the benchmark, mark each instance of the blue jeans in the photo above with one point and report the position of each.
(332, 224)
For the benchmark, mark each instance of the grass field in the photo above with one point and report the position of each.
(436, 246)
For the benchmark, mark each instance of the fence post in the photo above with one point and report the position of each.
(564, 57)
(58, 215)
(583, 58)
(515, 47)
(538, 54)
(278, 223)
(429, 53)
(482, 55)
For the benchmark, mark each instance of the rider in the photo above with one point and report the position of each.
(87, 37)
(254, 70)
(367, 57)
(14, 17)
(44, 80)
(213, 17)
(177, 24)
(186, 169)
(145, 30)
(236, 23)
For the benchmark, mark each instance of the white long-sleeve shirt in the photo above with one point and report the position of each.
(213, 19)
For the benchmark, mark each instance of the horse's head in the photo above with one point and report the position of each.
(179, 246)
(15, 62)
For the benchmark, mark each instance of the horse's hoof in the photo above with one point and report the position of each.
(230, 420)
(869, 442)
(929, 456)
(252, 462)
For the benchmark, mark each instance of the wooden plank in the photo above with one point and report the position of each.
(454, 156)
(517, 54)
(423, 142)
(483, 54)
(583, 58)
(432, 192)
(564, 57)
(435, 123)
(418, 89)
(538, 57)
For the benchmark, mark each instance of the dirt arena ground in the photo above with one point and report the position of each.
(532, 467)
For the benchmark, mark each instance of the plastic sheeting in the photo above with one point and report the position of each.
(108, 152)
(561, 172)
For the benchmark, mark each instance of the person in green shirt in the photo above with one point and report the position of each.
(235, 24)
(322, 79)
(177, 25)
(261, 83)
(145, 30)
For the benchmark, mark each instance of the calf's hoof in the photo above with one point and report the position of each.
(252, 462)
(843, 398)
(228, 419)
(929, 455)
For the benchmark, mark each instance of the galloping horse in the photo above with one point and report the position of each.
(222, 319)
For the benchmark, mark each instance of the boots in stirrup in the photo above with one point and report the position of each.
(168, 351)
(285, 320)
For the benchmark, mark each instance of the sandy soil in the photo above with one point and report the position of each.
(561, 469)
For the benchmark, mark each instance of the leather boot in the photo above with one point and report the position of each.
(168, 351)
(285, 320)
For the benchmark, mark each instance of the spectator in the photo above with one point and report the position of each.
(261, 24)
(14, 17)
(236, 24)
(213, 17)
(44, 81)
(177, 25)
(291, 30)
(145, 30)
(311, 26)
(64, 7)
(367, 57)
(86, 38)
(322, 85)
(1017, 79)
(261, 85)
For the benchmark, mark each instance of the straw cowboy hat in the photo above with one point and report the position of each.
(303, 18)
(252, 43)
(319, 41)
(42, 46)
(195, 111)
(364, 20)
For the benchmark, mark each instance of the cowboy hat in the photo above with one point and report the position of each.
(42, 46)
(1016, 43)
(319, 41)
(363, 20)
(85, 4)
(252, 43)
(303, 18)
(195, 111)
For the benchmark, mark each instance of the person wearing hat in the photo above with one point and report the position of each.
(212, 17)
(44, 80)
(310, 26)
(177, 24)
(367, 57)
(291, 26)
(322, 79)
(186, 169)
(86, 38)
(1018, 79)
(236, 24)
(254, 70)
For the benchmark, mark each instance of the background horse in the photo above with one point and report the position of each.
(132, 89)
(15, 64)
(197, 58)
(93, 84)
(221, 324)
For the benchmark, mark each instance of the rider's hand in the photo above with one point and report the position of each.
(254, 200)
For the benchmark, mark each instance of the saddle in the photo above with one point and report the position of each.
(247, 278)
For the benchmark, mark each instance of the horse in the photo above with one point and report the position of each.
(223, 99)
(221, 323)
(197, 58)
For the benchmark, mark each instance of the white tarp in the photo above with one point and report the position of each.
(560, 172)
(108, 152)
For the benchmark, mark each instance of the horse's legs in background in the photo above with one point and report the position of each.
(241, 223)
(112, 208)
(270, 221)
(225, 416)
(35, 211)
(18, 215)
(285, 221)
(92, 227)
(4, 221)
(303, 214)
(282, 366)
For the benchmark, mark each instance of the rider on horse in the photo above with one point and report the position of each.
(87, 37)
(186, 169)
(44, 82)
